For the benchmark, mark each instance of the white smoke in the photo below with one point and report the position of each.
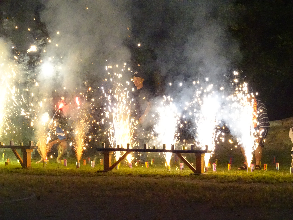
(83, 34)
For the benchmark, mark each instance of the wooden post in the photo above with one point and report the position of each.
(172, 146)
(199, 157)
(107, 160)
(27, 154)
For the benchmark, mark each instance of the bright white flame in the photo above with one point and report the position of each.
(45, 118)
(47, 69)
(239, 114)
(206, 124)
(167, 125)
(33, 48)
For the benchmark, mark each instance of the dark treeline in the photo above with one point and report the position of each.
(264, 30)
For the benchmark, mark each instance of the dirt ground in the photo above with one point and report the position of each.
(104, 198)
(128, 208)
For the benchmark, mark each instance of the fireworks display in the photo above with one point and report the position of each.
(68, 87)
(111, 111)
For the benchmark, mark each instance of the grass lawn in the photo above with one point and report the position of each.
(54, 192)
(58, 192)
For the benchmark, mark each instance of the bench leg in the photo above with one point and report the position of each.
(186, 162)
(27, 153)
(119, 160)
(199, 157)
(107, 160)
(17, 156)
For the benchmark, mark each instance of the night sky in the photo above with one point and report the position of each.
(181, 41)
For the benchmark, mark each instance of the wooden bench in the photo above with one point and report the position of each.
(25, 161)
(199, 156)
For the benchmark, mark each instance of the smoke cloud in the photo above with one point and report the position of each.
(83, 35)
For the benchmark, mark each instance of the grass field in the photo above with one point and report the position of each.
(58, 192)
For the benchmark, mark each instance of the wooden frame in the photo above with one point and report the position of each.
(25, 161)
(199, 155)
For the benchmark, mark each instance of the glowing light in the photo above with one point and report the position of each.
(77, 101)
(47, 69)
(61, 105)
(45, 118)
(33, 48)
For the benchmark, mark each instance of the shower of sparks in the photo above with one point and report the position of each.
(6, 80)
(203, 112)
(43, 138)
(80, 131)
(15, 109)
(207, 123)
(117, 109)
(166, 126)
(81, 124)
(241, 119)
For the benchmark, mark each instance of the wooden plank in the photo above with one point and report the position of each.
(151, 150)
(118, 161)
(186, 162)
(17, 156)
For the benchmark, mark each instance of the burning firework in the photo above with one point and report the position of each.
(241, 119)
(43, 136)
(81, 124)
(117, 109)
(203, 113)
(207, 123)
(80, 130)
(6, 83)
(166, 127)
